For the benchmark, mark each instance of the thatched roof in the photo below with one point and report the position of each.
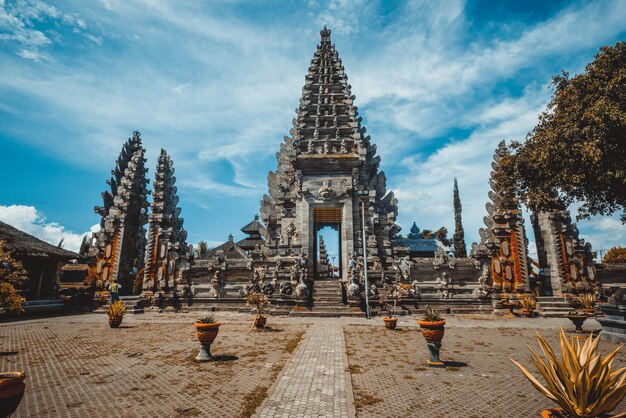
(24, 245)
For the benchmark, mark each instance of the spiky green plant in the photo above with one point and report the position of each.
(431, 315)
(117, 309)
(206, 320)
(588, 300)
(581, 382)
(527, 302)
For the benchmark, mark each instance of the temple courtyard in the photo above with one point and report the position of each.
(298, 367)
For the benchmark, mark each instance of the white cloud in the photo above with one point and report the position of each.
(18, 20)
(181, 87)
(33, 222)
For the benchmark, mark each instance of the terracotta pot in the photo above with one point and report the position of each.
(259, 321)
(206, 333)
(11, 391)
(432, 331)
(527, 312)
(554, 413)
(589, 310)
(391, 322)
(114, 322)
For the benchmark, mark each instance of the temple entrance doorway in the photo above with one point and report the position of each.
(327, 243)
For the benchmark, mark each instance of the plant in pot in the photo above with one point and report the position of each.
(116, 312)
(581, 382)
(432, 328)
(262, 305)
(578, 318)
(394, 293)
(588, 302)
(528, 305)
(206, 331)
(12, 276)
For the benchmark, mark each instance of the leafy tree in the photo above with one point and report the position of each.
(12, 276)
(84, 247)
(441, 234)
(578, 149)
(201, 249)
(615, 255)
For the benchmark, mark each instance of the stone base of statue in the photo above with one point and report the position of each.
(433, 351)
(205, 353)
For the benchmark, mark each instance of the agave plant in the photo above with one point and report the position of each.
(527, 302)
(581, 382)
(259, 300)
(206, 320)
(431, 315)
(117, 309)
(588, 300)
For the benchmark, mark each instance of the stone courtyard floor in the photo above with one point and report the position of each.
(77, 366)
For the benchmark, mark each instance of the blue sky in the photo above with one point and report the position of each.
(216, 83)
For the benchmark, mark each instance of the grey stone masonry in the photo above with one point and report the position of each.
(315, 383)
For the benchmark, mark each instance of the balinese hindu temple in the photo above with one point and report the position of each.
(327, 178)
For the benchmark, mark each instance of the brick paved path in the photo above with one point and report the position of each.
(316, 381)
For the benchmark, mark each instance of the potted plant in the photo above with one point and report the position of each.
(11, 391)
(528, 305)
(588, 302)
(432, 328)
(394, 293)
(262, 305)
(581, 382)
(12, 276)
(206, 331)
(578, 318)
(116, 312)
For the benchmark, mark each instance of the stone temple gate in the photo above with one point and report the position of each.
(328, 178)
(328, 173)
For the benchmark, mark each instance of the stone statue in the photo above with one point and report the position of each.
(444, 286)
(354, 290)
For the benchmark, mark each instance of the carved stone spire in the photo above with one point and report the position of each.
(121, 240)
(167, 249)
(458, 238)
(505, 237)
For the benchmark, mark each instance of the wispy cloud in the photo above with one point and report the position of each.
(217, 87)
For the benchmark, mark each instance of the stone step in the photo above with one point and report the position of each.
(330, 313)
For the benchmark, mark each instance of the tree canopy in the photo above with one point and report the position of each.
(615, 255)
(578, 148)
(12, 276)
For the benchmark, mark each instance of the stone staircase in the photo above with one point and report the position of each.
(327, 301)
(552, 306)
(43, 306)
(133, 305)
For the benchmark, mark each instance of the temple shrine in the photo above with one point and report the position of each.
(327, 187)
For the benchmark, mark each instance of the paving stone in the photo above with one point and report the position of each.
(313, 383)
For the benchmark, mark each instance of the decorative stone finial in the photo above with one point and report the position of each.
(325, 34)
(230, 238)
(256, 217)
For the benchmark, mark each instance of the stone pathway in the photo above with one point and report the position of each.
(316, 381)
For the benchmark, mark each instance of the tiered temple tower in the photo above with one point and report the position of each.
(504, 240)
(167, 251)
(326, 168)
(458, 239)
(121, 240)
(566, 261)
